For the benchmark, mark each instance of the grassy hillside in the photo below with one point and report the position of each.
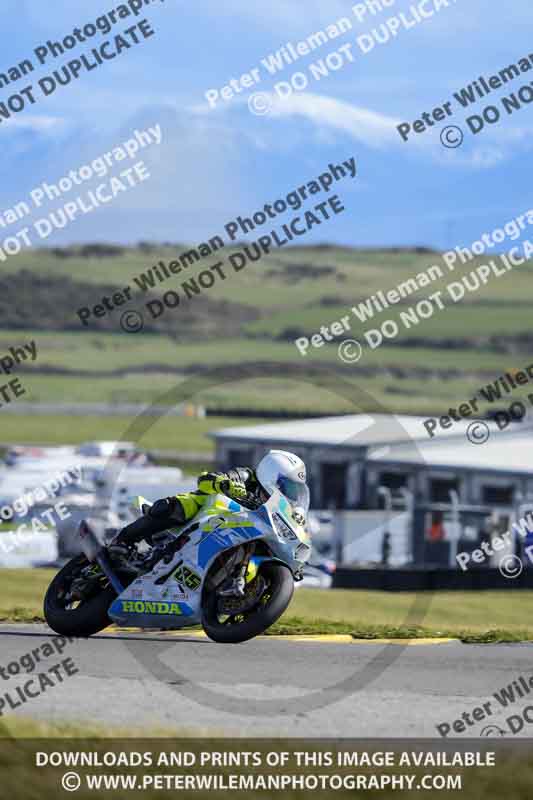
(252, 318)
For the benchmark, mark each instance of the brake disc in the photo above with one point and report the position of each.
(237, 604)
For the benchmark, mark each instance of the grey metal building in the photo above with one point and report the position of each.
(350, 457)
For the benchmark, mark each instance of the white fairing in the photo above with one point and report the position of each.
(170, 595)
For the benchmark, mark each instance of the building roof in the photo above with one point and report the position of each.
(355, 430)
(507, 451)
(401, 439)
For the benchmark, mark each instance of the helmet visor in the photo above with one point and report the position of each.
(296, 492)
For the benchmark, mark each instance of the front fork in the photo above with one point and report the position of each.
(105, 565)
(94, 552)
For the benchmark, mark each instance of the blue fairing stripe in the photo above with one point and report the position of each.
(216, 542)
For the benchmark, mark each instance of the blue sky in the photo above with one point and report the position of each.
(215, 164)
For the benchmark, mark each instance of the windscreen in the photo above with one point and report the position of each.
(296, 492)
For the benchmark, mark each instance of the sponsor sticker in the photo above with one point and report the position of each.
(148, 607)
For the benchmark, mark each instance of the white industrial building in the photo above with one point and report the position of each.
(350, 457)
(382, 476)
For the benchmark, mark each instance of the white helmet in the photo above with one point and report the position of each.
(285, 472)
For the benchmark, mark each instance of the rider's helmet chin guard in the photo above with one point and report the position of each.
(285, 472)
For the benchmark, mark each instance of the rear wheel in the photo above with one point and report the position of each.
(274, 587)
(80, 617)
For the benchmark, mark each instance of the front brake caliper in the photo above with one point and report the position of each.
(251, 571)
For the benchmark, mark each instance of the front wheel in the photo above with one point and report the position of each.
(87, 614)
(274, 586)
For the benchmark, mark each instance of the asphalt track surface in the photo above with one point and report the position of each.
(269, 686)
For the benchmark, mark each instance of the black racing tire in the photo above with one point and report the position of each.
(261, 617)
(88, 618)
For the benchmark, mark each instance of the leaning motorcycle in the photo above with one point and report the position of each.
(231, 570)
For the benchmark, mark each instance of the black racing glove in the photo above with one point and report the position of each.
(232, 487)
(164, 507)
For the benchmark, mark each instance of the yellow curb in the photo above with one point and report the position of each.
(185, 632)
(332, 638)
(326, 638)
(410, 642)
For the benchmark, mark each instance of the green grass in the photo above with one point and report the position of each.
(359, 273)
(454, 322)
(424, 381)
(105, 352)
(22, 593)
(429, 381)
(298, 626)
(27, 728)
(478, 611)
(167, 433)
(471, 616)
(426, 395)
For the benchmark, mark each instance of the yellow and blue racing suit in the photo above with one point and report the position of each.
(237, 483)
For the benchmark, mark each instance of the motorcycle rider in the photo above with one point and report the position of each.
(278, 469)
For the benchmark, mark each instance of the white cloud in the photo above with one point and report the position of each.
(379, 131)
(39, 124)
(485, 157)
(369, 127)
